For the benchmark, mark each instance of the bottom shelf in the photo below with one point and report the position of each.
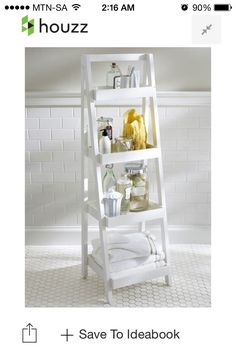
(132, 275)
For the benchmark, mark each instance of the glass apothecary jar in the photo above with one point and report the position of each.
(139, 195)
(123, 144)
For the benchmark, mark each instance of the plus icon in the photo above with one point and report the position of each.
(67, 335)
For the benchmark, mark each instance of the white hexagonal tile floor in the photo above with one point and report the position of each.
(53, 279)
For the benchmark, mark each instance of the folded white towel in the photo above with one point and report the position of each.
(130, 263)
(129, 246)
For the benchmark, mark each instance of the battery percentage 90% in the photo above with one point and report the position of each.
(201, 7)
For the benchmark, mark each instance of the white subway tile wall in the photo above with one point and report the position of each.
(53, 164)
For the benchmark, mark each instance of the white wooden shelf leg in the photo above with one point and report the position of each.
(84, 244)
(84, 197)
(109, 295)
(168, 280)
(106, 272)
(164, 241)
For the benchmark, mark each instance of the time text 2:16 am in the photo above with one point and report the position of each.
(116, 7)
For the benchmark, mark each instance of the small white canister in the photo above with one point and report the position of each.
(112, 203)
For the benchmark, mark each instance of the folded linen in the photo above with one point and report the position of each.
(129, 246)
(130, 263)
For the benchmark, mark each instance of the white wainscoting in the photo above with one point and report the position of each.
(42, 236)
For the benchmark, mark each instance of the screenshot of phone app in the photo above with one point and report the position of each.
(117, 156)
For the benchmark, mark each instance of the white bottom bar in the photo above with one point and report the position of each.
(133, 275)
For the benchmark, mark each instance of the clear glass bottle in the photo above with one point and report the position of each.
(114, 71)
(139, 196)
(123, 186)
(109, 179)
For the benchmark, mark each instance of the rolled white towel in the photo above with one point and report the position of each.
(129, 246)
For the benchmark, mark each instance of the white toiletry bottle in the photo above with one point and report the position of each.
(104, 143)
(114, 71)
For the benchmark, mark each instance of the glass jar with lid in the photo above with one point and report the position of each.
(139, 196)
(123, 143)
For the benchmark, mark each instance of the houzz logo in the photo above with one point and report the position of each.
(27, 25)
(53, 27)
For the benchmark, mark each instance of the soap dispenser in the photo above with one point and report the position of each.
(104, 143)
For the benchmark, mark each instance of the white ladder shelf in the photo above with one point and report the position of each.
(157, 210)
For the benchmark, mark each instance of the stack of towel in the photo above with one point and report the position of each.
(129, 251)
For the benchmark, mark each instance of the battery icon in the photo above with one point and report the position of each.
(222, 7)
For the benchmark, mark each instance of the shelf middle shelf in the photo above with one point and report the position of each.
(125, 156)
(153, 212)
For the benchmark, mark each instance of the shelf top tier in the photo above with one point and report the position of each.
(105, 94)
(115, 57)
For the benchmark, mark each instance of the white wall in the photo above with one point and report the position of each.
(58, 69)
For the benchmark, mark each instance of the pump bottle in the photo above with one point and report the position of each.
(104, 143)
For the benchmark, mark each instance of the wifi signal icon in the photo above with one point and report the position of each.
(76, 6)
